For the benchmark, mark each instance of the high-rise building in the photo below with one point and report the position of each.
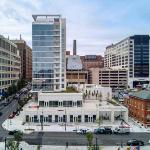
(48, 53)
(9, 64)
(132, 54)
(26, 59)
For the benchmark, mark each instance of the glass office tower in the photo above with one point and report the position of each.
(132, 54)
(48, 58)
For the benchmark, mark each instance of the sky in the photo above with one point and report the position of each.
(95, 24)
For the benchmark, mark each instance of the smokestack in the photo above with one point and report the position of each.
(20, 37)
(74, 48)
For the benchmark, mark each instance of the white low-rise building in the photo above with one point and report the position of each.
(72, 108)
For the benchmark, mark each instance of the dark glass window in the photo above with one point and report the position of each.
(49, 118)
(27, 118)
(41, 103)
(56, 118)
(79, 118)
(71, 118)
(85, 118)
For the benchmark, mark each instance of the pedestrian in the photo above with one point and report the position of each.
(118, 148)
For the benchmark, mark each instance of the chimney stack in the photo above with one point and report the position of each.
(74, 47)
(20, 37)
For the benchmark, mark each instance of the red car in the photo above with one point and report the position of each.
(11, 116)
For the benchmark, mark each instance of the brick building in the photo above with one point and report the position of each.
(26, 59)
(138, 104)
(92, 61)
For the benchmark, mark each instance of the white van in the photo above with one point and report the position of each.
(121, 130)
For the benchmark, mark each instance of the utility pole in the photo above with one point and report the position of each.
(5, 143)
(42, 117)
(96, 144)
(65, 119)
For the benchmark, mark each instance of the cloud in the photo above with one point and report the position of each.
(94, 24)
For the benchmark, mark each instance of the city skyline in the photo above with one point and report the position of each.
(95, 24)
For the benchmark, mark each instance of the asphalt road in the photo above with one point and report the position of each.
(6, 110)
(60, 138)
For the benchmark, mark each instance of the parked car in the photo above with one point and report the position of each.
(6, 103)
(13, 132)
(11, 116)
(121, 130)
(103, 130)
(82, 131)
(135, 142)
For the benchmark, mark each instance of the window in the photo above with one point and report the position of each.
(35, 118)
(56, 118)
(79, 103)
(71, 118)
(94, 118)
(64, 118)
(85, 118)
(41, 103)
(79, 118)
(27, 118)
(49, 118)
(148, 107)
(41, 118)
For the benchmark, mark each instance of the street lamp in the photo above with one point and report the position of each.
(65, 119)
(41, 120)
(121, 127)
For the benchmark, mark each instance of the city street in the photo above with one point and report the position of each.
(6, 110)
(60, 138)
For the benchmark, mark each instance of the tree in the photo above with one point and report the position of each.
(21, 83)
(18, 137)
(99, 120)
(89, 137)
(108, 96)
(100, 96)
(11, 145)
(12, 89)
(38, 147)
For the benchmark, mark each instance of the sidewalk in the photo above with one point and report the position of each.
(26, 146)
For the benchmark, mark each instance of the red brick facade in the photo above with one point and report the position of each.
(139, 109)
(92, 61)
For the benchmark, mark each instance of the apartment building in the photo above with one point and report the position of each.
(9, 64)
(106, 77)
(132, 54)
(48, 54)
(25, 53)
